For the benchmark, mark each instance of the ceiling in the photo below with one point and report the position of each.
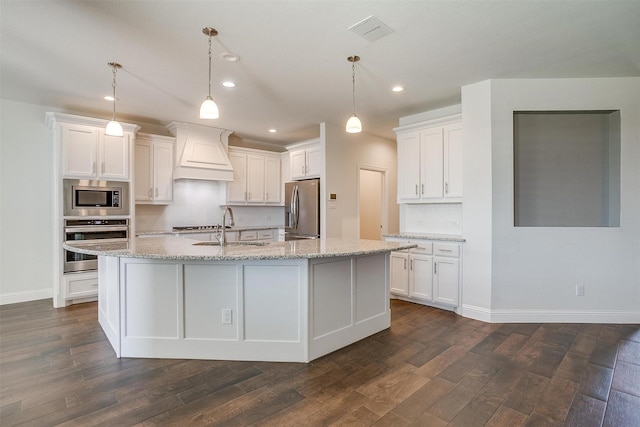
(293, 71)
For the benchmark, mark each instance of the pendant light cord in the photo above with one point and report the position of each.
(209, 65)
(353, 80)
(114, 92)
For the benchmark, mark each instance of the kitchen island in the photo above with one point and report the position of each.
(168, 297)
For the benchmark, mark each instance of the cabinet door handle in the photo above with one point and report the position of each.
(156, 191)
(102, 168)
(416, 189)
(435, 268)
(93, 167)
(422, 188)
(150, 192)
(411, 265)
(405, 264)
(446, 188)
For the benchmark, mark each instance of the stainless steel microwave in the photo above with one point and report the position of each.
(84, 197)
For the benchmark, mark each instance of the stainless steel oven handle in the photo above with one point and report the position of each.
(93, 242)
(94, 229)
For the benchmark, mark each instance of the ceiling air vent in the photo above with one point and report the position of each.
(371, 29)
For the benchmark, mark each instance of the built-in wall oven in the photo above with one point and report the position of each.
(91, 231)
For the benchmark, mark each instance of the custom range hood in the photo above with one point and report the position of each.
(201, 152)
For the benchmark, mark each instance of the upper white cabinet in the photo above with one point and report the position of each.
(256, 177)
(305, 160)
(430, 161)
(154, 169)
(87, 152)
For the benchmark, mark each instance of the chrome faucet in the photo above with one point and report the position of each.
(223, 234)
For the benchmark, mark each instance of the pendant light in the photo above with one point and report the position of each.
(353, 124)
(113, 127)
(209, 109)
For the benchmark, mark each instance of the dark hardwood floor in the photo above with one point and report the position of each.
(431, 368)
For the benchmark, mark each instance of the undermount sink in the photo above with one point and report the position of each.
(215, 243)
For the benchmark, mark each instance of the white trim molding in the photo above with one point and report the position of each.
(15, 297)
(550, 316)
(565, 316)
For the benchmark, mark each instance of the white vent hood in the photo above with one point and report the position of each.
(201, 152)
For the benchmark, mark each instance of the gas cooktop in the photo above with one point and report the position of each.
(198, 227)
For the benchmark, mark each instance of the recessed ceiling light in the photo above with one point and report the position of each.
(110, 98)
(273, 130)
(397, 89)
(228, 83)
(230, 57)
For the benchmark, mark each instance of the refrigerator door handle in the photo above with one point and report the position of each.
(294, 207)
(297, 206)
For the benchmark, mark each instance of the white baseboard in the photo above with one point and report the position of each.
(14, 297)
(475, 312)
(565, 316)
(550, 316)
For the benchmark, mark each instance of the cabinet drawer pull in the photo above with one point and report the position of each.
(445, 250)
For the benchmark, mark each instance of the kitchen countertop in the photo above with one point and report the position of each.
(179, 248)
(427, 236)
(235, 228)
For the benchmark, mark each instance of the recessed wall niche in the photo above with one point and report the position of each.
(566, 168)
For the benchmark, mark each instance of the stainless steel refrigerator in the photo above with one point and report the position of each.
(302, 209)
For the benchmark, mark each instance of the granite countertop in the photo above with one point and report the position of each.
(179, 248)
(427, 236)
(235, 228)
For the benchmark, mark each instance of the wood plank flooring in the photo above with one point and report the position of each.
(431, 368)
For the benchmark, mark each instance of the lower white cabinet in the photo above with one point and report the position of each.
(428, 274)
(253, 235)
(80, 285)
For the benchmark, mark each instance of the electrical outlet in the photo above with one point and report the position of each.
(226, 316)
(580, 290)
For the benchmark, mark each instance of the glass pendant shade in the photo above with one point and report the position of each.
(354, 125)
(114, 128)
(209, 109)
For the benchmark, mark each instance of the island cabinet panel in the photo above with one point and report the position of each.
(272, 299)
(210, 291)
(109, 300)
(343, 288)
(335, 292)
(151, 292)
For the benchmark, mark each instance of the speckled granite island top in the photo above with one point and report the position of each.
(178, 248)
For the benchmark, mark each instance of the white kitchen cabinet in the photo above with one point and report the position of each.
(153, 169)
(429, 274)
(430, 162)
(87, 152)
(256, 177)
(305, 160)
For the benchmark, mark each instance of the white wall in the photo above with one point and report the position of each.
(534, 271)
(26, 151)
(343, 154)
(477, 206)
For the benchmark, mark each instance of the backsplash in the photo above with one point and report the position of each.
(199, 203)
(440, 218)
